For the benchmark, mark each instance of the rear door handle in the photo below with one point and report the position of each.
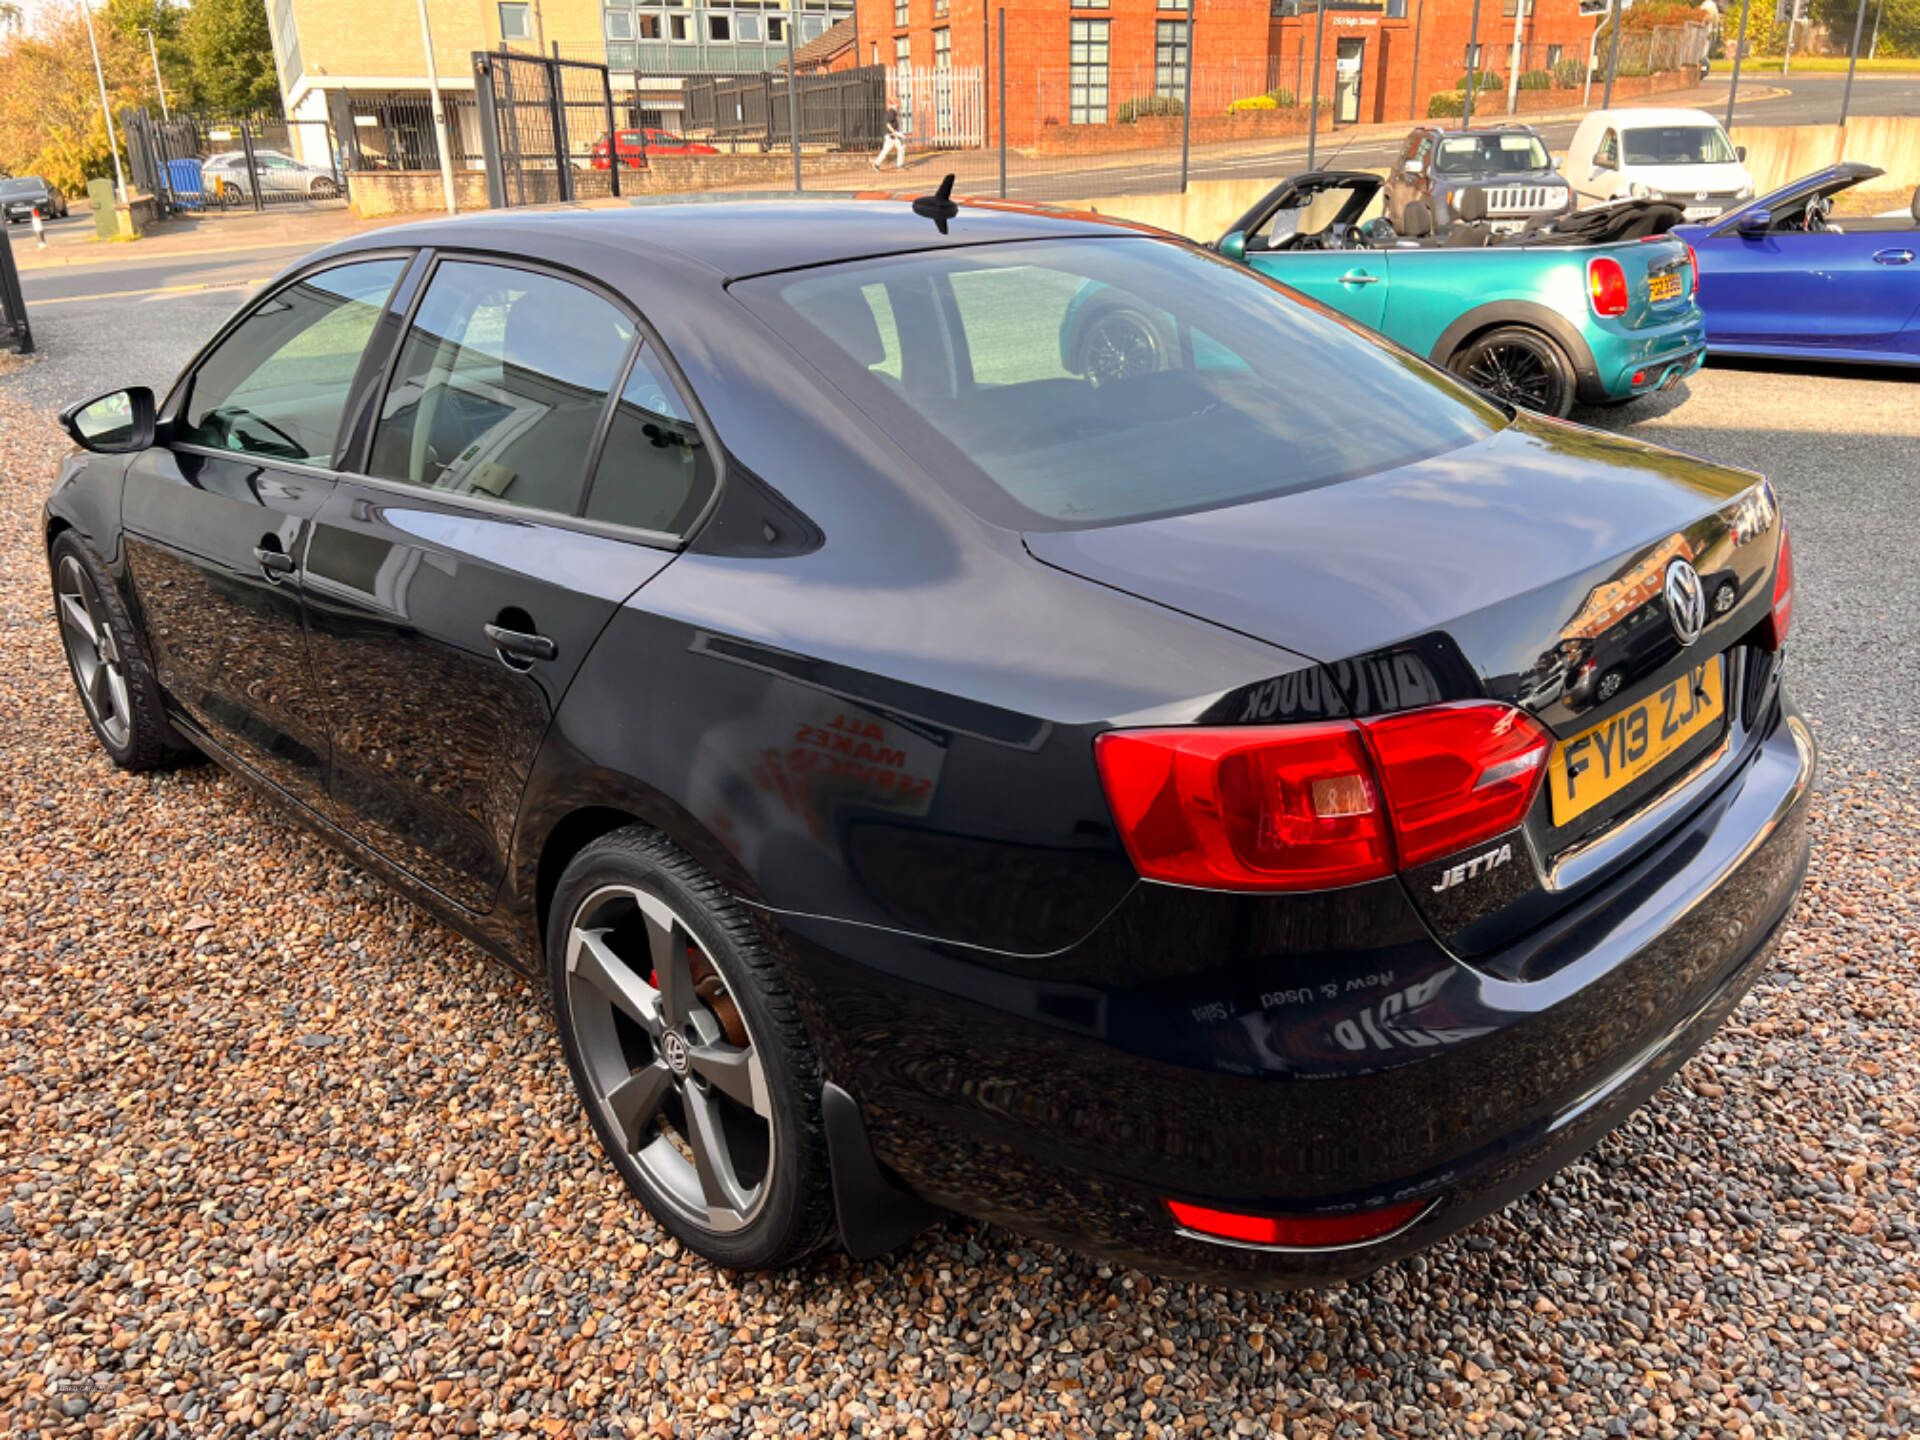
(1359, 277)
(1893, 257)
(518, 646)
(274, 562)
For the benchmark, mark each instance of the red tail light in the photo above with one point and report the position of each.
(1311, 807)
(1781, 617)
(1693, 271)
(1295, 1232)
(1293, 808)
(1607, 284)
(1456, 774)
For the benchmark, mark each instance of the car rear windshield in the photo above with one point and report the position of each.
(1677, 145)
(1490, 155)
(1066, 383)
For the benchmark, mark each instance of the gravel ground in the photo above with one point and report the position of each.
(280, 1155)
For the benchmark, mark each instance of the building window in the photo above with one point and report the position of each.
(1087, 72)
(1170, 57)
(1396, 9)
(939, 9)
(812, 27)
(1553, 55)
(677, 27)
(776, 30)
(1173, 4)
(516, 22)
(1089, 4)
(746, 29)
(720, 28)
(899, 13)
(1473, 57)
(1507, 7)
(943, 49)
(649, 27)
(619, 24)
(902, 51)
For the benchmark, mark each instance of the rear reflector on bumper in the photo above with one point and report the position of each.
(1294, 1232)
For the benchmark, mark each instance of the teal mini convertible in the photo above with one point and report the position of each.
(1597, 307)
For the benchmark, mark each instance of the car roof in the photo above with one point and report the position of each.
(739, 237)
(1653, 116)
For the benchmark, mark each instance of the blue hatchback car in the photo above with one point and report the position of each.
(1779, 276)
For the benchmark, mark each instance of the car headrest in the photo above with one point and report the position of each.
(844, 317)
(568, 343)
(1416, 219)
(1914, 209)
(1473, 205)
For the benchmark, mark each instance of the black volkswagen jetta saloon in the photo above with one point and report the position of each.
(1025, 719)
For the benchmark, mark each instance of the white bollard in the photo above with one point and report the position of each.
(39, 231)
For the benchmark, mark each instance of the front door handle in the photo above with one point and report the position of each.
(1359, 277)
(1893, 257)
(517, 649)
(273, 562)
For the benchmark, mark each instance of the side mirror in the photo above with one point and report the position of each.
(1755, 224)
(1740, 153)
(1233, 245)
(1412, 167)
(116, 423)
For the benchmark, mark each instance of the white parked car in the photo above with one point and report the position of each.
(1679, 155)
(280, 174)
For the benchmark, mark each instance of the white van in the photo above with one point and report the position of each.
(1678, 155)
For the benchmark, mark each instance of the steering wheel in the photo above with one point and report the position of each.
(1818, 209)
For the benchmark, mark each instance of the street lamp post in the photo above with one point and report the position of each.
(158, 83)
(1739, 46)
(106, 109)
(440, 113)
(1853, 58)
(1613, 58)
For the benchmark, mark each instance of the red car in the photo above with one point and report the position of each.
(636, 145)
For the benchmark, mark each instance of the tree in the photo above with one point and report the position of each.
(230, 55)
(50, 121)
(131, 19)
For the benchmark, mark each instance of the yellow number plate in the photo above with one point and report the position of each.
(1664, 287)
(1605, 760)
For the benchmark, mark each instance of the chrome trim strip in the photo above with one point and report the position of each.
(1579, 863)
(1424, 1211)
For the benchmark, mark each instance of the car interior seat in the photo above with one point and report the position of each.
(1416, 218)
(1471, 229)
(1914, 208)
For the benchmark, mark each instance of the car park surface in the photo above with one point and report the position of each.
(1607, 1296)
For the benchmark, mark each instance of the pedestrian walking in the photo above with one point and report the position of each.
(896, 142)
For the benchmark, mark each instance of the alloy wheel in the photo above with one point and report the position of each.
(92, 653)
(1118, 347)
(668, 1057)
(1517, 373)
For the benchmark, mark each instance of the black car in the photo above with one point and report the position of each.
(21, 195)
(936, 772)
(1507, 164)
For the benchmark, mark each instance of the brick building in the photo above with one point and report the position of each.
(1092, 62)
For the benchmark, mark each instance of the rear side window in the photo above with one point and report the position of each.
(1068, 383)
(276, 386)
(655, 472)
(500, 385)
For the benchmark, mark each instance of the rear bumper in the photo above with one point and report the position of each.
(1661, 356)
(1339, 1060)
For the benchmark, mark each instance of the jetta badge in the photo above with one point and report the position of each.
(1686, 601)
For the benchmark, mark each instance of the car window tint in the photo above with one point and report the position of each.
(276, 386)
(500, 385)
(655, 472)
(1086, 382)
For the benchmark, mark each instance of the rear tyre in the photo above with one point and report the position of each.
(1519, 365)
(324, 189)
(117, 689)
(688, 1053)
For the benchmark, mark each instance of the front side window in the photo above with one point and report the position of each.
(1087, 72)
(516, 21)
(1066, 383)
(654, 471)
(499, 386)
(277, 386)
(1609, 149)
(1677, 145)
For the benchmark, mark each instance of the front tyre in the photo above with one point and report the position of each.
(1519, 365)
(117, 689)
(688, 1053)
